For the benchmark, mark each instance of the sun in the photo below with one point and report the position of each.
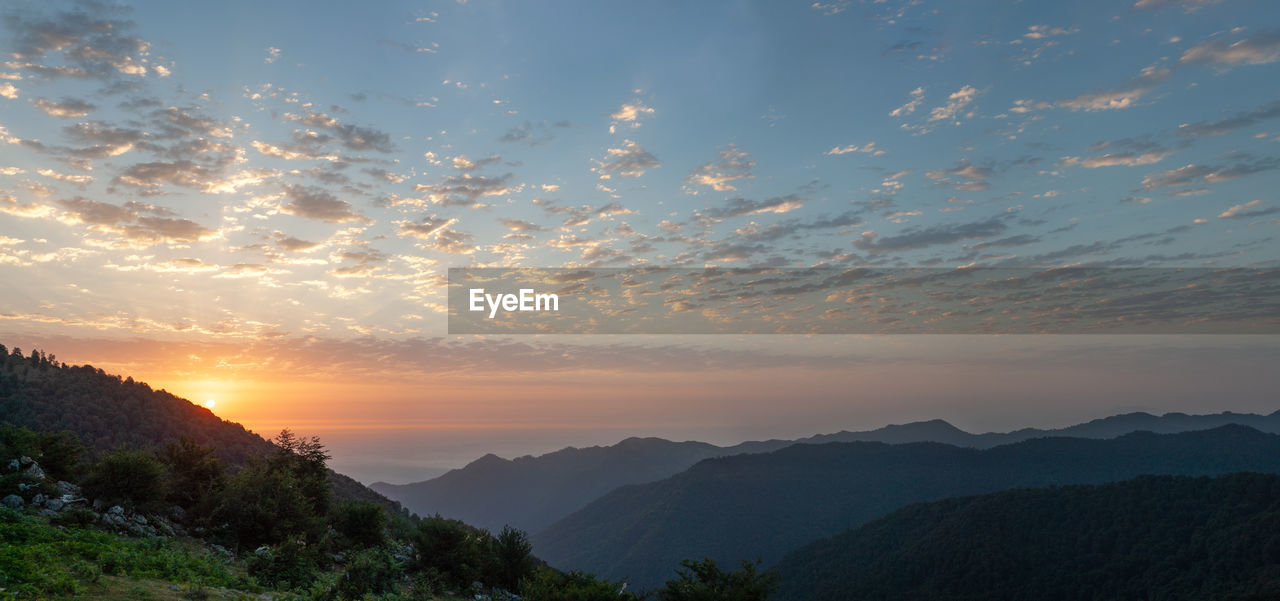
(209, 403)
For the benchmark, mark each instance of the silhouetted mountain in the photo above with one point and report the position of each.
(1154, 537)
(531, 493)
(105, 411)
(761, 506)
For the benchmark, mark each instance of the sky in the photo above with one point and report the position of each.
(257, 204)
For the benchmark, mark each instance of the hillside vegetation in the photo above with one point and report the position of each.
(749, 507)
(1155, 537)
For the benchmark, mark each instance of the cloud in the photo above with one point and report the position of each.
(1260, 49)
(741, 207)
(351, 137)
(1197, 174)
(1189, 4)
(467, 189)
(629, 160)
(149, 177)
(1128, 159)
(964, 176)
(314, 203)
(719, 175)
(8, 90)
(291, 244)
(452, 242)
(629, 115)
(68, 107)
(916, 97)
(869, 148)
(520, 225)
(273, 54)
(1230, 124)
(90, 45)
(916, 238)
(465, 165)
(1248, 211)
(956, 102)
(1122, 97)
(425, 229)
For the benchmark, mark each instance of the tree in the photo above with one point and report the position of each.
(131, 478)
(705, 581)
(362, 523)
(196, 475)
(513, 558)
(448, 548)
(305, 459)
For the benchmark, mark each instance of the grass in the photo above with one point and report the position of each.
(41, 561)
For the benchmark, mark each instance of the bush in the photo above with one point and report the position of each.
(705, 581)
(289, 565)
(361, 523)
(134, 479)
(547, 584)
(449, 548)
(369, 571)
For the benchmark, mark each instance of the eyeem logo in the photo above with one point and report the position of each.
(526, 300)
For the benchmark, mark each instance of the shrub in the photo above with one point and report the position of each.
(134, 479)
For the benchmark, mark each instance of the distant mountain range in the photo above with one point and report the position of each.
(760, 506)
(1153, 537)
(531, 493)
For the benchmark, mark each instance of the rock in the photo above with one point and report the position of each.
(35, 472)
(13, 502)
(178, 513)
(55, 504)
(26, 460)
(139, 519)
(98, 505)
(66, 488)
(47, 513)
(116, 510)
(38, 499)
(23, 486)
(14, 465)
(263, 550)
(220, 550)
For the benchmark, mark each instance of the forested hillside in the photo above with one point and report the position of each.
(105, 411)
(749, 507)
(1155, 537)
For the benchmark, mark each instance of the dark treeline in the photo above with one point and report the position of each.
(1172, 538)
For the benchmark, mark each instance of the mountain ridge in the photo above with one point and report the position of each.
(759, 506)
(553, 487)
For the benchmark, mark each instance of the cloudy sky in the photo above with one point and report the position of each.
(256, 203)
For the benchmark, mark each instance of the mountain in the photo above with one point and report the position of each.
(105, 411)
(1153, 537)
(761, 506)
(531, 493)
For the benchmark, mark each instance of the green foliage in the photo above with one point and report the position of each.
(450, 549)
(546, 584)
(361, 524)
(195, 476)
(513, 559)
(1154, 537)
(705, 581)
(369, 571)
(289, 565)
(58, 453)
(305, 459)
(132, 478)
(38, 560)
(262, 505)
